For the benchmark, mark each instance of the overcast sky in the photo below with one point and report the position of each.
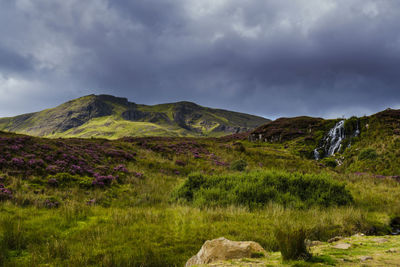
(277, 58)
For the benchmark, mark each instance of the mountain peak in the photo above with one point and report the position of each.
(110, 116)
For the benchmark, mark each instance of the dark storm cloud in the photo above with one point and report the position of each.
(273, 58)
(10, 61)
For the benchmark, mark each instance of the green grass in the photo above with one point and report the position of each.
(138, 222)
(256, 189)
(111, 128)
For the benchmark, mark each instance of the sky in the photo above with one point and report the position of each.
(273, 58)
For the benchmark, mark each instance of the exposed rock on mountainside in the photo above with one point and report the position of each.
(114, 117)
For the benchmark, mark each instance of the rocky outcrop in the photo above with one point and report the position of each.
(221, 249)
(231, 129)
(75, 117)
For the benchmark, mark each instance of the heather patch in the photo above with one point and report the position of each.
(26, 156)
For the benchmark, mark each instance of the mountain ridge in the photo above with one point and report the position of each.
(114, 117)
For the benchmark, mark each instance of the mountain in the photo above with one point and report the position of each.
(114, 117)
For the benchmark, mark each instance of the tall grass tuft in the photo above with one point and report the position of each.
(13, 233)
(291, 241)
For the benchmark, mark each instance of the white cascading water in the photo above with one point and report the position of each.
(316, 154)
(332, 141)
(334, 138)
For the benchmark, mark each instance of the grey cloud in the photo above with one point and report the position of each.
(272, 58)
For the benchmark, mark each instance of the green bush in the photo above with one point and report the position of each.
(238, 146)
(367, 154)
(329, 162)
(67, 179)
(291, 242)
(256, 189)
(351, 125)
(239, 165)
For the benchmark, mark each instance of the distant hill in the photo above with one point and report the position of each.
(114, 117)
(357, 144)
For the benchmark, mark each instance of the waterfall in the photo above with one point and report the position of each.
(316, 154)
(334, 138)
(333, 141)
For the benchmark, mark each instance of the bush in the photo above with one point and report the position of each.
(291, 242)
(367, 154)
(330, 162)
(238, 146)
(351, 125)
(239, 165)
(259, 188)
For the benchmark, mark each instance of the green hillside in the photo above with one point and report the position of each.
(154, 201)
(370, 144)
(114, 117)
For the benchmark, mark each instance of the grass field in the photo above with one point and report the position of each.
(97, 202)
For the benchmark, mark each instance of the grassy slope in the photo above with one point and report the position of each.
(43, 122)
(74, 119)
(136, 222)
(379, 135)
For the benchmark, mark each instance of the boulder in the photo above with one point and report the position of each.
(223, 249)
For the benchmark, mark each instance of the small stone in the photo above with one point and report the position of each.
(342, 246)
(365, 258)
(334, 239)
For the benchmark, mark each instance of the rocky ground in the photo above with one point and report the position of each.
(357, 250)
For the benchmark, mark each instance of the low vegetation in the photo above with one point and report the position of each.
(155, 201)
(256, 189)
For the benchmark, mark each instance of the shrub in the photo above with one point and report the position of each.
(259, 188)
(51, 203)
(101, 180)
(238, 146)
(395, 225)
(367, 154)
(351, 125)
(291, 242)
(62, 179)
(5, 193)
(52, 182)
(330, 162)
(239, 165)
(121, 168)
